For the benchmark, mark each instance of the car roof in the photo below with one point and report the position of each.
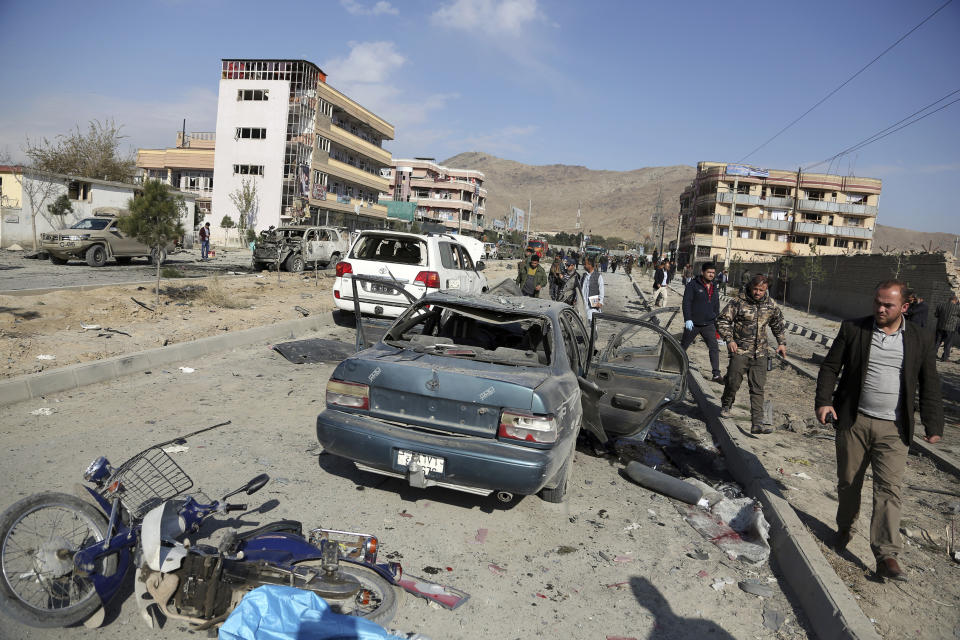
(496, 302)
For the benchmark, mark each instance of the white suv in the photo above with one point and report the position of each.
(421, 264)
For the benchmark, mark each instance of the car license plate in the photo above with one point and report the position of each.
(453, 283)
(374, 287)
(431, 464)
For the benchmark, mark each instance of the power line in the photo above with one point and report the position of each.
(846, 82)
(896, 126)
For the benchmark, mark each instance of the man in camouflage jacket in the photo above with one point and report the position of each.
(743, 325)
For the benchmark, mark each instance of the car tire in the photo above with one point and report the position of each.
(96, 256)
(334, 260)
(294, 264)
(157, 256)
(559, 493)
(58, 261)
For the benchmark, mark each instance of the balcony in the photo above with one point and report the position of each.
(446, 183)
(802, 228)
(858, 209)
(354, 143)
(343, 170)
(752, 223)
(442, 203)
(350, 205)
(741, 198)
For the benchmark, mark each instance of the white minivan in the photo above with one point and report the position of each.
(420, 264)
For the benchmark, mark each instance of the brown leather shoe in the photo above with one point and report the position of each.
(889, 568)
(842, 539)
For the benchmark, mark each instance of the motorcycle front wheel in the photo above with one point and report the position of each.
(38, 537)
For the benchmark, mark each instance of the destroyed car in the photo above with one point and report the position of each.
(95, 240)
(299, 246)
(487, 394)
(418, 263)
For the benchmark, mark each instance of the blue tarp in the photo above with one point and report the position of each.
(285, 613)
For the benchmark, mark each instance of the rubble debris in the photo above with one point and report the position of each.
(187, 369)
(736, 526)
(176, 448)
(89, 327)
(481, 536)
(46, 356)
(721, 583)
(314, 350)
(773, 619)
(496, 569)
(142, 304)
(301, 311)
(662, 483)
(42, 411)
(756, 587)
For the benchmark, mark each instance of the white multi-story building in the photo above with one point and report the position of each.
(313, 153)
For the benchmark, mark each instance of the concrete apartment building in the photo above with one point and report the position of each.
(187, 167)
(775, 213)
(315, 154)
(454, 197)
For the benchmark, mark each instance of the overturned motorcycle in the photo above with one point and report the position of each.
(63, 558)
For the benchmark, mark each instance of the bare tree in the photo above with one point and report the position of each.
(91, 154)
(813, 272)
(247, 201)
(37, 189)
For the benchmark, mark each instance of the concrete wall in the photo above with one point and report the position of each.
(849, 281)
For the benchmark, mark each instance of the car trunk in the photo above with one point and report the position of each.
(430, 391)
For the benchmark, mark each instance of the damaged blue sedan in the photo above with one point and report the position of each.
(488, 394)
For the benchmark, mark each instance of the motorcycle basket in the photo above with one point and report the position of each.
(148, 479)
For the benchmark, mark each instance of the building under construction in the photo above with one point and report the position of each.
(775, 213)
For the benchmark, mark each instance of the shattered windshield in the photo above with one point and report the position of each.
(477, 334)
(92, 224)
(398, 250)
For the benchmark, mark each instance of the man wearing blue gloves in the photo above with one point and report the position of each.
(701, 306)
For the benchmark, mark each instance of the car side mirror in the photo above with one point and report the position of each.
(480, 266)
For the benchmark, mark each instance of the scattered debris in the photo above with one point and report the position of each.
(930, 490)
(42, 411)
(735, 526)
(632, 526)
(702, 574)
(431, 570)
(480, 537)
(756, 587)
(14, 247)
(144, 305)
(496, 569)
(176, 448)
(699, 554)
(565, 549)
(302, 311)
(187, 369)
(662, 483)
(802, 476)
(802, 461)
(628, 557)
(773, 619)
(46, 356)
(721, 583)
(314, 350)
(89, 327)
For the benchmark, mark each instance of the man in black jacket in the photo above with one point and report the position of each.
(948, 315)
(883, 359)
(701, 306)
(660, 276)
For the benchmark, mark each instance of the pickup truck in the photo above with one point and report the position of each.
(295, 247)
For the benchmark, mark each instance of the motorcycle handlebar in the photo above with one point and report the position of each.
(236, 507)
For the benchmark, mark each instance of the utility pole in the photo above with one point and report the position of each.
(658, 215)
(733, 212)
(956, 241)
(529, 219)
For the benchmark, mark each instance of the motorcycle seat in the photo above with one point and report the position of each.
(287, 526)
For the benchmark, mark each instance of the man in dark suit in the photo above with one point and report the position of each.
(883, 359)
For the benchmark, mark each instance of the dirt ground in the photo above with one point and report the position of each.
(614, 560)
(800, 456)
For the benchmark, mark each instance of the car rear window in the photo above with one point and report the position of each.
(92, 224)
(484, 335)
(392, 249)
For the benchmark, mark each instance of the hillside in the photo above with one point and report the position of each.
(614, 203)
(617, 203)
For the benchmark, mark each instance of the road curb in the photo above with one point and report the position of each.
(74, 376)
(828, 604)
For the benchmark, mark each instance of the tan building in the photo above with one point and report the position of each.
(453, 197)
(187, 167)
(775, 213)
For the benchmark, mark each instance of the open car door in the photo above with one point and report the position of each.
(641, 370)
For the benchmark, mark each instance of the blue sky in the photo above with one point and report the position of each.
(608, 85)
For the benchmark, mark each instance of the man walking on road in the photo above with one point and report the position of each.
(532, 279)
(947, 314)
(592, 288)
(205, 241)
(701, 305)
(743, 325)
(660, 276)
(880, 361)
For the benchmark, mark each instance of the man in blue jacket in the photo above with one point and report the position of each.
(701, 306)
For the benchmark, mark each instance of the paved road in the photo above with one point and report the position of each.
(536, 571)
(18, 273)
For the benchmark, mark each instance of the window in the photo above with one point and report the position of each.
(248, 169)
(780, 192)
(843, 244)
(782, 237)
(821, 242)
(743, 188)
(743, 233)
(811, 217)
(857, 198)
(703, 252)
(778, 214)
(244, 95)
(761, 235)
(858, 245)
(570, 326)
(250, 133)
(815, 194)
(802, 240)
(723, 231)
(79, 191)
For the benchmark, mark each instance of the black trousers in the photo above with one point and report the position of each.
(946, 339)
(709, 334)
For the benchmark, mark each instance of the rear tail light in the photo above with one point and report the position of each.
(343, 267)
(430, 279)
(336, 294)
(348, 394)
(529, 427)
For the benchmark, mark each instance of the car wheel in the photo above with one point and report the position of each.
(55, 260)
(157, 256)
(294, 263)
(559, 492)
(96, 256)
(334, 260)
